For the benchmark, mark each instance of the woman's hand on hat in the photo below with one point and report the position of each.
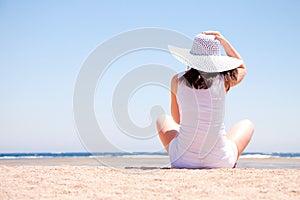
(230, 51)
(217, 34)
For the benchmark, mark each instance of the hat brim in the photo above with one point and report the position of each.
(205, 63)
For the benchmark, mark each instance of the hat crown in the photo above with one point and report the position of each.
(206, 45)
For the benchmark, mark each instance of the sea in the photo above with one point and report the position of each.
(131, 154)
(141, 159)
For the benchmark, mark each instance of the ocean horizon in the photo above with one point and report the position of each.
(31, 155)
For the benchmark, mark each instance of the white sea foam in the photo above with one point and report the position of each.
(19, 157)
(258, 156)
(145, 156)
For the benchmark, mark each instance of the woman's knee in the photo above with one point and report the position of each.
(248, 124)
(161, 122)
(242, 129)
(166, 123)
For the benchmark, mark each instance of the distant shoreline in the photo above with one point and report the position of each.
(143, 162)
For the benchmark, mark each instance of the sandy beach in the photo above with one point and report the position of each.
(100, 182)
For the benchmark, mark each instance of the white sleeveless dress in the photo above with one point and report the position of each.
(202, 141)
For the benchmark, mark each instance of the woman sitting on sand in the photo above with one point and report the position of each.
(195, 135)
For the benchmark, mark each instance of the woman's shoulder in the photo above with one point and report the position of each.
(176, 77)
(174, 82)
(180, 74)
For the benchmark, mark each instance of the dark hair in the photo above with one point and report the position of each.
(203, 80)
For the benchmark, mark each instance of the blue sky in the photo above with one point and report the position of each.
(43, 45)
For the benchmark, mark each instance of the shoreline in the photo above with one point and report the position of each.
(135, 162)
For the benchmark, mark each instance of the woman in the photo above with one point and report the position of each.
(195, 135)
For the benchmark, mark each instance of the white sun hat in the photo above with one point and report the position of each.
(205, 55)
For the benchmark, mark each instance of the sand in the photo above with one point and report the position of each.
(100, 182)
